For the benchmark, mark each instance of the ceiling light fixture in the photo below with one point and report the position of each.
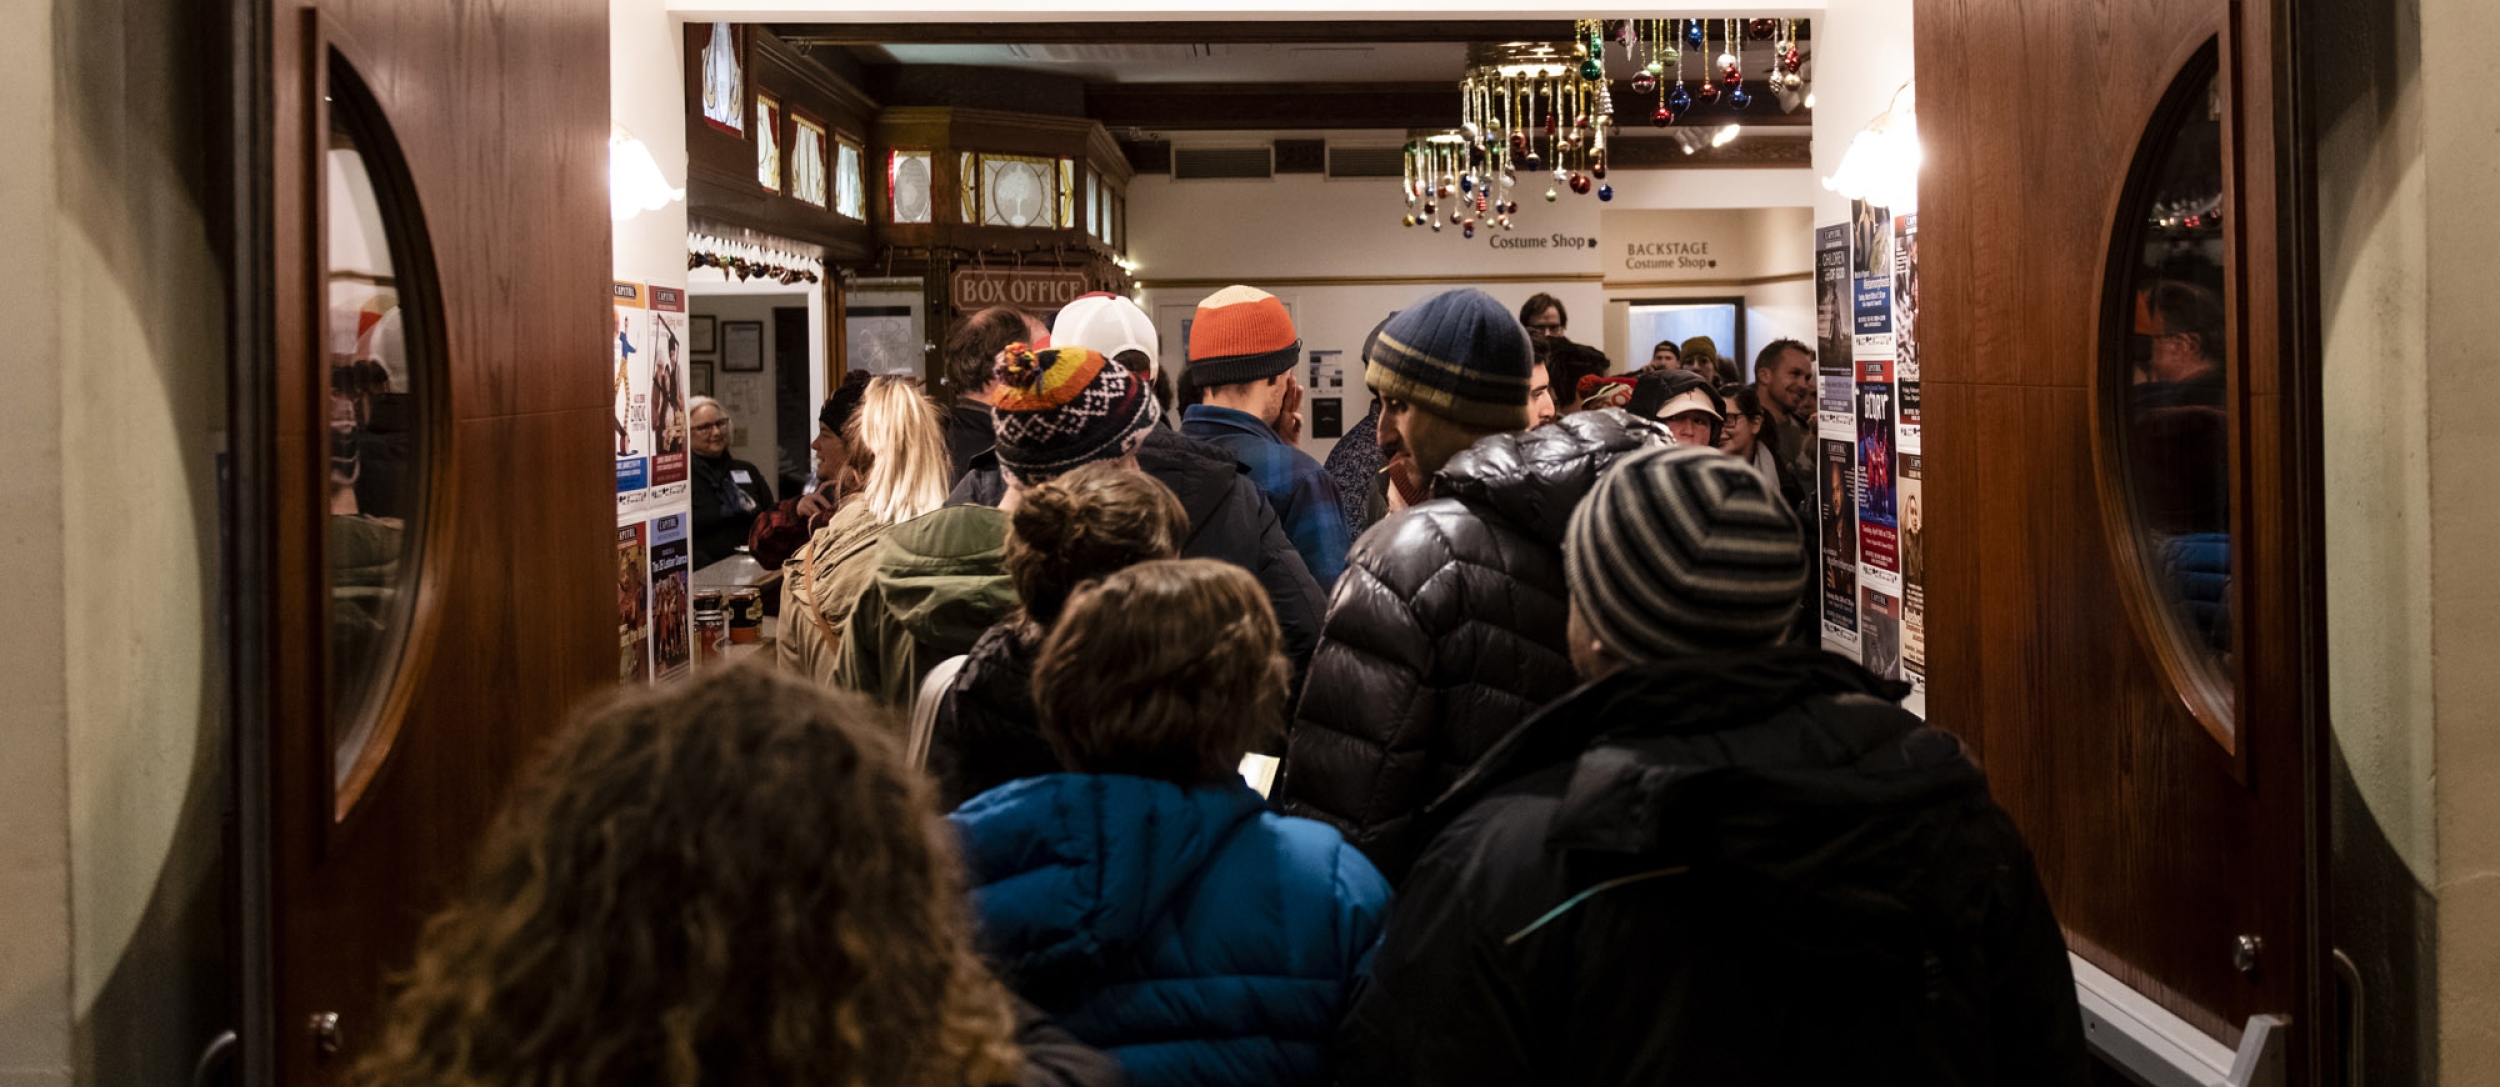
(1882, 164)
(635, 183)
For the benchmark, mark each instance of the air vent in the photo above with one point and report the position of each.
(1301, 156)
(1196, 163)
(1366, 162)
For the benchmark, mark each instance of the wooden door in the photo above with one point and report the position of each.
(424, 480)
(2164, 766)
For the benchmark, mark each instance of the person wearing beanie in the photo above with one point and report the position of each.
(1630, 887)
(1228, 519)
(1242, 351)
(1447, 626)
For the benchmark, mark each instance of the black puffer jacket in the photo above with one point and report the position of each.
(987, 732)
(1747, 869)
(1228, 520)
(1446, 631)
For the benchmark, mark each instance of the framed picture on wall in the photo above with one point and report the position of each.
(702, 329)
(699, 379)
(742, 347)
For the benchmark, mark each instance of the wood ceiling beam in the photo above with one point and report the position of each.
(1225, 32)
(1235, 106)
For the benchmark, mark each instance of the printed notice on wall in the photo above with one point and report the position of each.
(1832, 316)
(666, 393)
(631, 419)
(1871, 273)
(1878, 494)
(1837, 508)
(671, 602)
(633, 605)
(1879, 623)
(1913, 533)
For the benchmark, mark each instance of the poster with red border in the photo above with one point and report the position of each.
(666, 394)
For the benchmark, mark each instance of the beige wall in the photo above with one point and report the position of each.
(2462, 191)
(111, 762)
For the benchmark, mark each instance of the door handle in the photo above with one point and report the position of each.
(215, 1060)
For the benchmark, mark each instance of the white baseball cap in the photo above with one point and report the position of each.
(1107, 324)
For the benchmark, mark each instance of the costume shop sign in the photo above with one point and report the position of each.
(1720, 245)
(1045, 289)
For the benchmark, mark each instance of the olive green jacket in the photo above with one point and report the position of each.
(940, 581)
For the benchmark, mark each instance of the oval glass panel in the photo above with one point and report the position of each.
(2172, 424)
(377, 389)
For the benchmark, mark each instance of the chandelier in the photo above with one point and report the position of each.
(1525, 107)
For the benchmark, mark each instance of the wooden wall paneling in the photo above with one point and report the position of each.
(514, 206)
(2156, 853)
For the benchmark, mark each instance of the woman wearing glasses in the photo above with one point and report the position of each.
(728, 492)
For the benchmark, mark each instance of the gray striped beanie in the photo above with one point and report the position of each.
(1684, 550)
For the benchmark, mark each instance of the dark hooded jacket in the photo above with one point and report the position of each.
(1750, 869)
(1228, 521)
(987, 732)
(940, 581)
(1446, 631)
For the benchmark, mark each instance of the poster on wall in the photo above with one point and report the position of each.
(1913, 532)
(1839, 514)
(1870, 270)
(1878, 493)
(1879, 641)
(671, 595)
(631, 417)
(669, 338)
(1905, 298)
(633, 611)
(1832, 317)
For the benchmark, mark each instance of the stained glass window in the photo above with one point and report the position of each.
(850, 185)
(725, 80)
(768, 142)
(907, 186)
(1018, 191)
(1093, 204)
(967, 188)
(1067, 194)
(807, 161)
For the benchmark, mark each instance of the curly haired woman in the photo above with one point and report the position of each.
(730, 881)
(1099, 519)
(1147, 897)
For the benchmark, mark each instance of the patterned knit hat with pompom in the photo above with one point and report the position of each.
(1066, 407)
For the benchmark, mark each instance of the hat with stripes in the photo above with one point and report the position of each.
(1459, 355)
(1684, 550)
(1065, 407)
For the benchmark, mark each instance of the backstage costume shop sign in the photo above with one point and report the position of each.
(1713, 247)
(654, 499)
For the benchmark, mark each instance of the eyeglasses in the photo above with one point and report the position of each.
(716, 424)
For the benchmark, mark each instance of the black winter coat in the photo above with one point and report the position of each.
(1728, 870)
(987, 732)
(1446, 631)
(1228, 520)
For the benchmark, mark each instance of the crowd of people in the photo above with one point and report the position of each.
(1568, 793)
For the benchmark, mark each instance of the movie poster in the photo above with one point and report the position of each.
(672, 564)
(1839, 515)
(633, 611)
(1832, 330)
(1879, 640)
(1878, 490)
(631, 419)
(667, 392)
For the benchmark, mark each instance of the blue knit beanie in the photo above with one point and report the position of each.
(1459, 355)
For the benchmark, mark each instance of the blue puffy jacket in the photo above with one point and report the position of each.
(1192, 934)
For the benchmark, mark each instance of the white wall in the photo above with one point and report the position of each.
(1853, 84)
(1336, 251)
(750, 398)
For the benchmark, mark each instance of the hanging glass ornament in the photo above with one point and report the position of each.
(1680, 99)
(1467, 183)
(1708, 93)
(1580, 184)
(1727, 61)
(1792, 81)
(1762, 29)
(1431, 208)
(1737, 98)
(1591, 69)
(1534, 163)
(1731, 74)
(1551, 195)
(1662, 117)
(1468, 228)
(1410, 220)
(1644, 82)
(1605, 192)
(1410, 198)
(1436, 226)
(1597, 169)
(1791, 60)
(1654, 69)
(1481, 203)
(1693, 34)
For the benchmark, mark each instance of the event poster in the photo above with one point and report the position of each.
(633, 611)
(1879, 642)
(1878, 493)
(667, 391)
(1871, 273)
(631, 419)
(1832, 330)
(672, 621)
(1905, 298)
(1913, 533)
(1839, 515)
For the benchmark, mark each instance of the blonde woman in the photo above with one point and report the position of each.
(900, 450)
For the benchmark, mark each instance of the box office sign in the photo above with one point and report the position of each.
(1044, 289)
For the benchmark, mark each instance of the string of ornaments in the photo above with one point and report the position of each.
(1528, 107)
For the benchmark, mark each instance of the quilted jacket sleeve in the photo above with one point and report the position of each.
(1359, 757)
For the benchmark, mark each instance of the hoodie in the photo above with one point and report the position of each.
(1679, 873)
(940, 580)
(1190, 933)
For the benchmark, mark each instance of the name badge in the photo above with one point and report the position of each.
(740, 474)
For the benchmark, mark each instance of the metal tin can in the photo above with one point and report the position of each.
(746, 616)
(707, 601)
(711, 632)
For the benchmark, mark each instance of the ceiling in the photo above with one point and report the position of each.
(1202, 62)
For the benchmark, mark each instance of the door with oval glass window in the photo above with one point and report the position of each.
(425, 541)
(2122, 492)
